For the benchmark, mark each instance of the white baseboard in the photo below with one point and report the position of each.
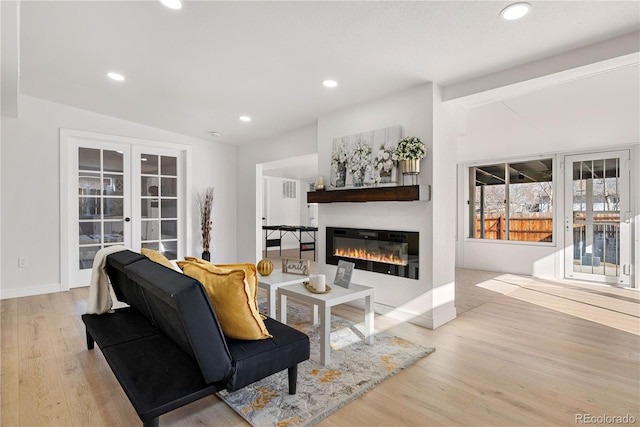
(29, 291)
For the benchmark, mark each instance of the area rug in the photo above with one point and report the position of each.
(354, 369)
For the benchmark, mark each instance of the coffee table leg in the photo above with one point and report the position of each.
(368, 319)
(283, 308)
(314, 314)
(271, 296)
(325, 335)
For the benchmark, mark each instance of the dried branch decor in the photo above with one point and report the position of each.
(204, 200)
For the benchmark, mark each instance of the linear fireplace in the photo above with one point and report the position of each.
(380, 251)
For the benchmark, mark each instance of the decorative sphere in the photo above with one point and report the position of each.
(265, 267)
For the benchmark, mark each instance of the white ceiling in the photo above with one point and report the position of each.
(581, 113)
(198, 69)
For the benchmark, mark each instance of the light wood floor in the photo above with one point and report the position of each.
(525, 352)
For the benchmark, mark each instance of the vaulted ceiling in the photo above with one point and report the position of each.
(197, 69)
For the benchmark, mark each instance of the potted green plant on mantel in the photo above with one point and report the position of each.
(410, 151)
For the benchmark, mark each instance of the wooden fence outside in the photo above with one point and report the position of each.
(528, 229)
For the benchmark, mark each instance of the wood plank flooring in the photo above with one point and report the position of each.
(523, 352)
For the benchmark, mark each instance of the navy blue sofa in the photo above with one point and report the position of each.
(167, 348)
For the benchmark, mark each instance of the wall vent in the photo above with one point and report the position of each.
(289, 189)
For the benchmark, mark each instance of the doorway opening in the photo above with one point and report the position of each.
(282, 187)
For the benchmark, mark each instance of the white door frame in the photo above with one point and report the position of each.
(626, 231)
(69, 140)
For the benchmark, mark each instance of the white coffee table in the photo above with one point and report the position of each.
(338, 295)
(272, 282)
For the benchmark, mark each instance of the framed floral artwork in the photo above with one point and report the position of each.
(366, 158)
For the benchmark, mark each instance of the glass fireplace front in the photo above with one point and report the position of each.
(380, 251)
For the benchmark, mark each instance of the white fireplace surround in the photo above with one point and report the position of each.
(400, 298)
(430, 300)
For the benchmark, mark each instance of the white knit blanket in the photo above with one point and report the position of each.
(99, 292)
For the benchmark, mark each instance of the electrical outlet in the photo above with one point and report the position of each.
(23, 262)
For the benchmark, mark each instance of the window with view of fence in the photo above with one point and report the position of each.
(531, 229)
(512, 201)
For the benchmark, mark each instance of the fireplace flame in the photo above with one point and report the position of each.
(370, 256)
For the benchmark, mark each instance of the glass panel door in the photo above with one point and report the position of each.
(101, 219)
(100, 201)
(118, 191)
(596, 224)
(159, 203)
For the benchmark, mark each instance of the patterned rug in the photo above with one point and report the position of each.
(354, 369)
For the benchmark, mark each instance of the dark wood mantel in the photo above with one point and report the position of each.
(370, 194)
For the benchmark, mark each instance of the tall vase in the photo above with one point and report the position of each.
(385, 176)
(357, 179)
(206, 255)
(341, 175)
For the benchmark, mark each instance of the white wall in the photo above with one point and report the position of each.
(30, 194)
(552, 122)
(428, 301)
(249, 183)
(304, 206)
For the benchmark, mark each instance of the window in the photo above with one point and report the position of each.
(512, 201)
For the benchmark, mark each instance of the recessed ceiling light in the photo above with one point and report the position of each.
(172, 4)
(330, 83)
(515, 11)
(116, 76)
(245, 118)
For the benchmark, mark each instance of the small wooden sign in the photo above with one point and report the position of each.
(296, 266)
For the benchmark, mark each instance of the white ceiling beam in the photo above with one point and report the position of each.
(615, 53)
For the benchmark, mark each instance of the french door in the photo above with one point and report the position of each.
(116, 193)
(156, 188)
(597, 217)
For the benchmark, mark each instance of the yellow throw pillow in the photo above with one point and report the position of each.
(232, 297)
(156, 257)
(252, 279)
(250, 270)
(251, 275)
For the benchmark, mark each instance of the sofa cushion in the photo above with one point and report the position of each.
(232, 297)
(120, 326)
(157, 376)
(259, 359)
(115, 268)
(156, 256)
(181, 310)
